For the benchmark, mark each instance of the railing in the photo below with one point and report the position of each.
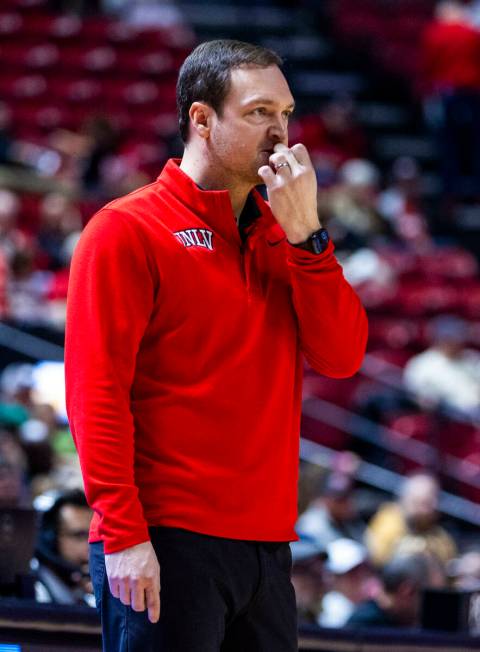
(389, 481)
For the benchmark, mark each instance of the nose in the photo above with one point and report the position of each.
(278, 129)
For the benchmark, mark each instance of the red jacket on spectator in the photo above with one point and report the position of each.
(450, 56)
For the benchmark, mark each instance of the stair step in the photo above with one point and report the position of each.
(380, 115)
(390, 147)
(299, 47)
(326, 83)
(227, 17)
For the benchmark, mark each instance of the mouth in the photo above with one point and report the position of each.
(265, 155)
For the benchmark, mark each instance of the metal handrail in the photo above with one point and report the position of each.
(389, 481)
(389, 439)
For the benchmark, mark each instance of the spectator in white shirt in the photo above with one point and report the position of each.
(447, 373)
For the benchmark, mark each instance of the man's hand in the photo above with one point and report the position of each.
(134, 577)
(292, 191)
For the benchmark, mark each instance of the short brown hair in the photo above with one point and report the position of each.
(205, 74)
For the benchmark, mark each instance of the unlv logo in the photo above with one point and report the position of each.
(195, 238)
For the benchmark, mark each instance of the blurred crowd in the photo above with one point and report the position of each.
(352, 571)
(349, 569)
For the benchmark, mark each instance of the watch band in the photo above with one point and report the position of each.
(316, 243)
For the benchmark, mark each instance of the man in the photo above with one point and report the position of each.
(351, 582)
(62, 551)
(332, 514)
(410, 522)
(399, 602)
(191, 301)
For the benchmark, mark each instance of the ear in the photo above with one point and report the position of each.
(200, 118)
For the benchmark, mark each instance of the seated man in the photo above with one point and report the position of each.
(399, 602)
(413, 515)
(62, 552)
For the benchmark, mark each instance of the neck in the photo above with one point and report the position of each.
(212, 177)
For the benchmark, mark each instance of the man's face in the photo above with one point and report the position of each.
(253, 119)
(74, 523)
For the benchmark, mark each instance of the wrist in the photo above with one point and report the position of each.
(316, 243)
(296, 237)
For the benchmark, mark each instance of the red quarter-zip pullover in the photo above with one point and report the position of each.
(183, 360)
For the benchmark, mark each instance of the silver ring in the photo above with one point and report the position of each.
(282, 165)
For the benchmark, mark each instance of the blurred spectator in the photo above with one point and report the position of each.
(59, 218)
(331, 514)
(414, 515)
(308, 578)
(349, 209)
(14, 491)
(16, 384)
(399, 602)
(447, 373)
(400, 204)
(451, 56)
(27, 289)
(352, 582)
(464, 571)
(12, 239)
(85, 153)
(62, 552)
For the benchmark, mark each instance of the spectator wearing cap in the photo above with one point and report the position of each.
(352, 581)
(464, 571)
(447, 373)
(331, 514)
(398, 604)
(412, 519)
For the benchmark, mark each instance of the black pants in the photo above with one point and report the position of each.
(217, 595)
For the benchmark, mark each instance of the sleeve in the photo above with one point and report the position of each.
(332, 322)
(109, 302)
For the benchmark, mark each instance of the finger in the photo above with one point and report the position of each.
(267, 174)
(152, 597)
(301, 154)
(280, 147)
(125, 592)
(114, 588)
(285, 156)
(138, 597)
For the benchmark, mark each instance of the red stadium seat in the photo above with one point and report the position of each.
(418, 426)
(417, 299)
(11, 25)
(393, 332)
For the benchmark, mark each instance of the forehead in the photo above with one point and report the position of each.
(74, 514)
(247, 84)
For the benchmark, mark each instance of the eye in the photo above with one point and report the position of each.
(260, 110)
(287, 114)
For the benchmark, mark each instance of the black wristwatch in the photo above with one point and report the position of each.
(316, 243)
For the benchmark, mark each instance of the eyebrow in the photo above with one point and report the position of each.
(266, 100)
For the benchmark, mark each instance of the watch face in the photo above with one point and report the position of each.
(320, 240)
